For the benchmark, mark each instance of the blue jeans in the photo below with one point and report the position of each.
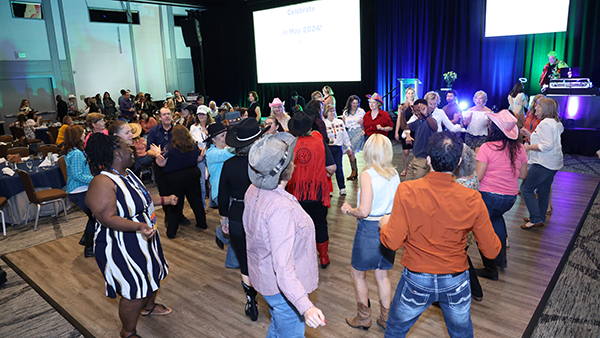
(417, 291)
(285, 319)
(202, 166)
(337, 154)
(539, 178)
(231, 260)
(497, 205)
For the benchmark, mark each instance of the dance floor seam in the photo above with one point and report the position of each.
(208, 300)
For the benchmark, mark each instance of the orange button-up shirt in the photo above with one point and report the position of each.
(431, 218)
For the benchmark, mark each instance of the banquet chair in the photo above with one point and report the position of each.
(42, 197)
(6, 138)
(48, 149)
(3, 203)
(54, 132)
(51, 138)
(4, 149)
(23, 151)
(17, 132)
(63, 167)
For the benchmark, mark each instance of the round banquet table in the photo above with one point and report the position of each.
(41, 133)
(42, 178)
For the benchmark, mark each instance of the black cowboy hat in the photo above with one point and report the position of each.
(301, 123)
(214, 129)
(244, 133)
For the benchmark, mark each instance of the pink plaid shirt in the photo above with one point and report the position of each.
(280, 243)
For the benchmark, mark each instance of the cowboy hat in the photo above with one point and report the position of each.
(301, 123)
(506, 122)
(244, 133)
(268, 157)
(276, 102)
(376, 97)
(214, 129)
(136, 129)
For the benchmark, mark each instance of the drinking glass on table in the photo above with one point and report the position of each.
(29, 164)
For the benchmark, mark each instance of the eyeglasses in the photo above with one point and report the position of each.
(203, 114)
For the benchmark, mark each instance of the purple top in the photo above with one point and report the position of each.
(280, 243)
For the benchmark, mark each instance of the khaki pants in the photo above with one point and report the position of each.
(417, 168)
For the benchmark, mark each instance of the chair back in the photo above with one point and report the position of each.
(28, 185)
(4, 149)
(23, 151)
(54, 132)
(6, 138)
(45, 149)
(51, 138)
(63, 167)
(17, 132)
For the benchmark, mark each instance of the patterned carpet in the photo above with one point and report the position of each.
(570, 306)
(569, 311)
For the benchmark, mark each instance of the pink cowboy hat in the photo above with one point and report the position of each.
(276, 102)
(376, 97)
(506, 122)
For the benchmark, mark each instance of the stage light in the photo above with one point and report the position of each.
(463, 105)
(572, 107)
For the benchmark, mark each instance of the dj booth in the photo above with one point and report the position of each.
(579, 110)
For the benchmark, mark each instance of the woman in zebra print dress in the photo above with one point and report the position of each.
(127, 246)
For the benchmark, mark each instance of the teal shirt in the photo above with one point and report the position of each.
(215, 158)
(78, 170)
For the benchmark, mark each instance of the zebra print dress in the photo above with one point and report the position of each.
(132, 266)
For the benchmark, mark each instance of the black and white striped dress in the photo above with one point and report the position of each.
(132, 266)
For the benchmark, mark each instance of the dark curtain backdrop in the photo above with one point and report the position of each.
(427, 38)
(422, 39)
(230, 61)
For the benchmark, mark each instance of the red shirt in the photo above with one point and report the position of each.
(383, 119)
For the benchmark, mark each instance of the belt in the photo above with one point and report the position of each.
(373, 218)
(438, 274)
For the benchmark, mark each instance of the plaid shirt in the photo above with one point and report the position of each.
(78, 171)
(280, 242)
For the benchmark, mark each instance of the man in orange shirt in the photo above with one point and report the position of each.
(431, 217)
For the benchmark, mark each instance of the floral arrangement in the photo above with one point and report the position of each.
(450, 77)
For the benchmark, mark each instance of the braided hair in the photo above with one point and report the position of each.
(100, 151)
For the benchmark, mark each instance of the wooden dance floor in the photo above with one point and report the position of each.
(208, 301)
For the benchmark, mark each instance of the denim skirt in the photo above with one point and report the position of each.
(367, 251)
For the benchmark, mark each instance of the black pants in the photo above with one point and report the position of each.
(183, 183)
(79, 200)
(237, 238)
(318, 212)
(476, 289)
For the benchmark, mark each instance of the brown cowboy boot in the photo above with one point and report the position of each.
(354, 167)
(362, 319)
(384, 314)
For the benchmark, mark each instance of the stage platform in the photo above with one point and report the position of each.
(208, 301)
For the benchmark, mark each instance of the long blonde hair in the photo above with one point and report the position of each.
(378, 154)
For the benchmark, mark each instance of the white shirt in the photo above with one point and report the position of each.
(479, 122)
(383, 193)
(547, 137)
(440, 117)
(198, 135)
(352, 120)
(336, 132)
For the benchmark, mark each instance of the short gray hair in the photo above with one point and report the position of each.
(468, 164)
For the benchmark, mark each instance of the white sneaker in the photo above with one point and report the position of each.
(342, 192)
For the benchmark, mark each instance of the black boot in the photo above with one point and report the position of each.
(89, 245)
(82, 240)
(251, 306)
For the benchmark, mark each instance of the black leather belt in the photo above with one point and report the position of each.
(438, 274)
